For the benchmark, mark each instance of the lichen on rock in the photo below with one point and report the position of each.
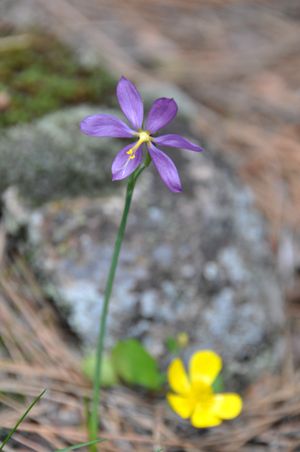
(50, 158)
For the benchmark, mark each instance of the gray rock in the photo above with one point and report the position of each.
(51, 158)
(197, 262)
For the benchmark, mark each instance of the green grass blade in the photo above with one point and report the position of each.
(21, 419)
(78, 446)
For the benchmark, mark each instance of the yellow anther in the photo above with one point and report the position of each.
(144, 137)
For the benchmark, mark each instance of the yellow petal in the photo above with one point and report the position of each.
(177, 377)
(204, 418)
(181, 405)
(227, 406)
(204, 367)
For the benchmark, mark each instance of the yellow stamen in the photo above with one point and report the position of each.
(144, 137)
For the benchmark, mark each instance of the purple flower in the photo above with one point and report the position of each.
(162, 112)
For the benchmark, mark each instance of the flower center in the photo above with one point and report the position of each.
(144, 137)
(202, 394)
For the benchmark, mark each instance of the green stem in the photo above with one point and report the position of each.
(94, 419)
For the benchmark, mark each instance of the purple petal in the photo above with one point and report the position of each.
(105, 126)
(162, 112)
(166, 168)
(130, 102)
(177, 141)
(123, 165)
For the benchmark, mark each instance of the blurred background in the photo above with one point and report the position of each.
(220, 262)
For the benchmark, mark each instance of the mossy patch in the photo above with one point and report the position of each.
(44, 76)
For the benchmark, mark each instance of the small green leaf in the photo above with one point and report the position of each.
(78, 446)
(108, 373)
(21, 419)
(135, 365)
(172, 344)
(218, 384)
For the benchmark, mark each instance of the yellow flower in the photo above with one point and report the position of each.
(193, 395)
(182, 339)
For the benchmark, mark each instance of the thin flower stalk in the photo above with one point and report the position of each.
(94, 419)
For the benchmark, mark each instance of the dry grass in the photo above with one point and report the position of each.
(39, 355)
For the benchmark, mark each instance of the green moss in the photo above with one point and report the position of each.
(44, 77)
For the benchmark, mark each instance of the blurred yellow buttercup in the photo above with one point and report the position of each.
(193, 396)
(182, 339)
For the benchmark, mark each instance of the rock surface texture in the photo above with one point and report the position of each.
(196, 262)
(50, 158)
